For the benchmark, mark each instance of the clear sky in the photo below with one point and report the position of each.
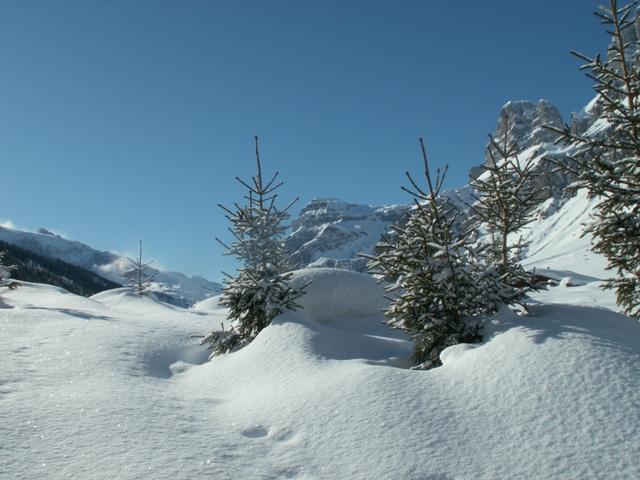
(127, 120)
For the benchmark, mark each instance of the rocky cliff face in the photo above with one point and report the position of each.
(524, 123)
(332, 233)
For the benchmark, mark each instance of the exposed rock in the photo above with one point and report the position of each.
(332, 233)
(526, 122)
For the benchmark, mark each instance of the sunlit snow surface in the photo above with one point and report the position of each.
(115, 387)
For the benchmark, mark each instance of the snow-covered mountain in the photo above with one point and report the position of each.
(332, 233)
(173, 287)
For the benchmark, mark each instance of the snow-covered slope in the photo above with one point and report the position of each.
(174, 287)
(115, 387)
(558, 241)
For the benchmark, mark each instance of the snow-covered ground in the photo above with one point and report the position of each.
(115, 387)
(557, 239)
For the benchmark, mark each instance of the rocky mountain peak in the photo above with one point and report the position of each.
(523, 122)
(323, 210)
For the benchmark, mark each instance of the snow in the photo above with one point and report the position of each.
(333, 294)
(557, 239)
(115, 386)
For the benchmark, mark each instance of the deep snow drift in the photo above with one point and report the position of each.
(115, 387)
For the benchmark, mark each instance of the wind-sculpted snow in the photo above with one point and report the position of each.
(115, 387)
(333, 294)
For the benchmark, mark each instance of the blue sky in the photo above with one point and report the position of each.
(127, 120)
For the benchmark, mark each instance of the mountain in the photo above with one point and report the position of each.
(331, 233)
(31, 267)
(523, 122)
(172, 287)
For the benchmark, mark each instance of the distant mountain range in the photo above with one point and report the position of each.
(172, 287)
(31, 267)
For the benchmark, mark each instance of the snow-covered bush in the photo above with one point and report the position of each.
(437, 281)
(608, 164)
(261, 290)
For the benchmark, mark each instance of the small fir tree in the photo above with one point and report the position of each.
(436, 281)
(505, 199)
(608, 164)
(5, 271)
(139, 276)
(261, 290)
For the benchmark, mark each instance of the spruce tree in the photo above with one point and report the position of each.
(139, 276)
(5, 270)
(436, 282)
(505, 198)
(608, 164)
(261, 290)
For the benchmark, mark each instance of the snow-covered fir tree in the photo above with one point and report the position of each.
(505, 198)
(437, 282)
(5, 270)
(608, 165)
(139, 276)
(261, 290)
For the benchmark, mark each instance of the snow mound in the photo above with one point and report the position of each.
(550, 395)
(333, 294)
(33, 295)
(125, 298)
(209, 305)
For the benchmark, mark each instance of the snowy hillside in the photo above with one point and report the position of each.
(557, 241)
(115, 387)
(174, 287)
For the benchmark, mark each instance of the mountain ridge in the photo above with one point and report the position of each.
(172, 287)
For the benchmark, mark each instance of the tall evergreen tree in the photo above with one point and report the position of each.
(505, 198)
(436, 282)
(261, 290)
(139, 276)
(608, 165)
